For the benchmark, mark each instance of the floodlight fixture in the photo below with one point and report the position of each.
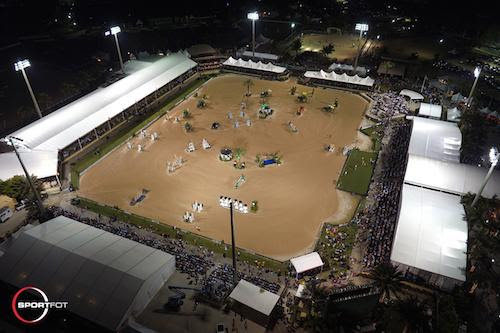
(494, 156)
(292, 25)
(254, 16)
(115, 31)
(477, 71)
(22, 64)
(361, 26)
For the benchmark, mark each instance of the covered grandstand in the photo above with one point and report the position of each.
(104, 278)
(268, 70)
(76, 125)
(339, 80)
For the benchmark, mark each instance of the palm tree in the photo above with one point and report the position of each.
(296, 46)
(327, 49)
(388, 278)
(248, 83)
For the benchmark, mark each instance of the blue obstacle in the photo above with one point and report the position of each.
(271, 161)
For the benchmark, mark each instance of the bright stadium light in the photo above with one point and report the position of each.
(477, 72)
(292, 25)
(254, 16)
(115, 31)
(20, 66)
(494, 157)
(361, 27)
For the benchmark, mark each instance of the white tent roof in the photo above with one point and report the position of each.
(306, 262)
(440, 140)
(267, 56)
(43, 164)
(450, 177)
(454, 114)
(249, 64)
(332, 76)
(346, 67)
(64, 126)
(98, 273)
(430, 110)
(431, 233)
(412, 94)
(254, 297)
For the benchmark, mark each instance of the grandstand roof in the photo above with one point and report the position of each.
(64, 126)
(306, 262)
(201, 50)
(450, 177)
(332, 76)
(431, 233)
(435, 139)
(249, 64)
(412, 94)
(98, 273)
(430, 110)
(254, 297)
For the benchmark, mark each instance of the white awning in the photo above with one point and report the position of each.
(412, 94)
(450, 177)
(431, 233)
(440, 140)
(430, 110)
(307, 262)
(344, 78)
(249, 64)
(254, 297)
(42, 164)
(64, 126)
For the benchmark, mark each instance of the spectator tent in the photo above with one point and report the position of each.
(343, 78)
(431, 234)
(347, 68)
(413, 95)
(64, 126)
(450, 177)
(435, 139)
(430, 110)
(306, 262)
(249, 64)
(104, 278)
(254, 297)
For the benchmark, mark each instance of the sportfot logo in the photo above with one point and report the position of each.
(31, 311)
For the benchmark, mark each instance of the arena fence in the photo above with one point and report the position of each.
(174, 232)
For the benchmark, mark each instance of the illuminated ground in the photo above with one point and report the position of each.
(294, 198)
(346, 45)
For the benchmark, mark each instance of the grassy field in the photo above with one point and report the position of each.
(166, 230)
(375, 135)
(357, 172)
(91, 158)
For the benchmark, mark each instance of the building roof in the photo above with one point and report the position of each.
(254, 297)
(64, 126)
(344, 78)
(306, 262)
(249, 64)
(431, 233)
(412, 94)
(201, 50)
(260, 55)
(450, 177)
(430, 110)
(435, 139)
(98, 273)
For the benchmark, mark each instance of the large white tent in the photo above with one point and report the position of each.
(344, 78)
(64, 126)
(430, 110)
(104, 278)
(249, 64)
(254, 297)
(435, 139)
(413, 95)
(450, 177)
(306, 262)
(431, 234)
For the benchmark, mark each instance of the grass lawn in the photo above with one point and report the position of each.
(91, 158)
(166, 230)
(357, 172)
(375, 133)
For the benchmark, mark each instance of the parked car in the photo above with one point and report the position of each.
(5, 214)
(21, 205)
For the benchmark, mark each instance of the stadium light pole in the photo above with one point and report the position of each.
(20, 66)
(233, 244)
(494, 156)
(362, 27)
(254, 16)
(38, 199)
(477, 72)
(115, 31)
